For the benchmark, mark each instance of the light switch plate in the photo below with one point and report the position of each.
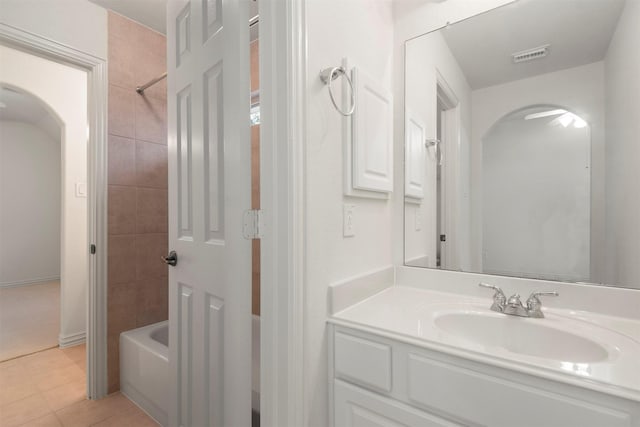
(348, 217)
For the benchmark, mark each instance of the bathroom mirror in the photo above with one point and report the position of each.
(522, 149)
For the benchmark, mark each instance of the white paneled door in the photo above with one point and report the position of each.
(209, 189)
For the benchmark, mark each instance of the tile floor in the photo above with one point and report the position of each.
(48, 389)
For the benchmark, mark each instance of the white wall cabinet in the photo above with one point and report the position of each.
(372, 130)
(377, 381)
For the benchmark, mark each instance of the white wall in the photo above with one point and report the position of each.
(64, 90)
(536, 199)
(622, 81)
(29, 204)
(362, 31)
(580, 90)
(75, 23)
(426, 57)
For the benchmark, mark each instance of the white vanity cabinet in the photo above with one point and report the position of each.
(383, 381)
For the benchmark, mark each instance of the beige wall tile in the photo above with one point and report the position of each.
(151, 165)
(151, 215)
(151, 119)
(122, 58)
(122, 210)
(121, 161)
(151, 41)
(121, 260)
(121, 308)
(113, 362)
(152, 300)
(148, 66)
(119, 26)
(136, 55)
(150, 249)
(121, 119)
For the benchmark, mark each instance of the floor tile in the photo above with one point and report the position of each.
(12, 391)
(22, 411)
(49, 389)
(66, 395)
(45, 361)
(76, 353)
(58, 377)
(132, 418)
(47, 421)
(89, 412)
(83, 414)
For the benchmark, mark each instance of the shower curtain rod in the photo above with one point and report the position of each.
(140, 89)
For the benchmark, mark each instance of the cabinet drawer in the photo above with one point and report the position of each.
(362, 361)
(488, 400)
(354, 407)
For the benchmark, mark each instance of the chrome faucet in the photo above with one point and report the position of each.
(513, 306)
(499, 299)
(534, 305)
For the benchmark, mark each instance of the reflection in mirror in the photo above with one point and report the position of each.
(521, 143)
(536, 195)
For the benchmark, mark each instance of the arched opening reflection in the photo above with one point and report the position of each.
(536, 195)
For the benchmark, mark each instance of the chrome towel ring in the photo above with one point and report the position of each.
(330, 74)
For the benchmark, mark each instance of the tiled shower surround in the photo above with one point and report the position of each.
(137, 199)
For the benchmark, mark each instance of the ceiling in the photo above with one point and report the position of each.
(21, 107)
(151, 13)
(579, 32)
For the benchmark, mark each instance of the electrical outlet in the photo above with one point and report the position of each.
(348, 229)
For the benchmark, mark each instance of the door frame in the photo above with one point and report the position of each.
(96, 69)
(283, 70)
(450, 129)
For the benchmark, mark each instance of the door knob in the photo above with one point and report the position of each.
(172, 259)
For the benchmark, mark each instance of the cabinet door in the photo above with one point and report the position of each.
(356, 407)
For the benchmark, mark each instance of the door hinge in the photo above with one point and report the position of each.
(92, 249)
(443, 237)
(253, 224)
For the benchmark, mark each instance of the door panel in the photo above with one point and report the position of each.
(209, 189)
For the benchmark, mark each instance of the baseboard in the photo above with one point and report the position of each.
(29, 282)
(71, 340)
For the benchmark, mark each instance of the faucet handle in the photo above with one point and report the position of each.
(499, 297)
(534, 306)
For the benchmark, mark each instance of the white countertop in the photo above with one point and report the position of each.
(407, 314)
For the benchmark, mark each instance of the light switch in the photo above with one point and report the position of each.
(81, 189)
(348, 229)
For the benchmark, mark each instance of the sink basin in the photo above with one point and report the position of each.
(521, 335)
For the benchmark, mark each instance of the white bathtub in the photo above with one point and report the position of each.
(144, 368)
